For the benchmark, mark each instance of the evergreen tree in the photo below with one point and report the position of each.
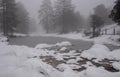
(65, 16)
(23, 18)
(103, 13)
(9, 17)
(1, 8)
(46, 15)
(96, 23)
(115, 14)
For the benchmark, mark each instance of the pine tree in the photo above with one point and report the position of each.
(1, 8)
(65, 16)
(103, 13)
(96, 23)
(115, 14)
(9, 17)
(45, 15)
(23, 18)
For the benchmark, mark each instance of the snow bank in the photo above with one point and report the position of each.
(110, 29)
(107, 39)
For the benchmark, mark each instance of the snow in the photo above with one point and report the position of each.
(107, 39)
(20, 34)
(23, 61)
(97, 51)
(99, 72)
(43, 46)
(115, 54)
(101, 52)
(110, 29)
(63, 49)
(116, 65)
(64, 43)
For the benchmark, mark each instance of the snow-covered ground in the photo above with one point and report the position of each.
(57, 61)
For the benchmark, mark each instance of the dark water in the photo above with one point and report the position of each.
(33, 41)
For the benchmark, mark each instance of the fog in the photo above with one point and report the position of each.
(84, 6)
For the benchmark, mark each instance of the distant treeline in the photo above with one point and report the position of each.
(14, 18)
(63, 18)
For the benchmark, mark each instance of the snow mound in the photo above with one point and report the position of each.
(114, 55)
(116, 65)
(97, 51)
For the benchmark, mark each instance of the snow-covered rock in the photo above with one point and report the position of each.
(116, 65)
(97, 51)
(39, 46)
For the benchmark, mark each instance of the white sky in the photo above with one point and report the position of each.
(84, 6)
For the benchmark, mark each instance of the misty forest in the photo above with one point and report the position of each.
(60, 38)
